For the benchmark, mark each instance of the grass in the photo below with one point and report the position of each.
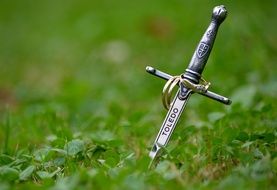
(78, 110)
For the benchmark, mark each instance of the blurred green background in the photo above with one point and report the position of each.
(77, 69)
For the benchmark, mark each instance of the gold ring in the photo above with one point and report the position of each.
(167, 90)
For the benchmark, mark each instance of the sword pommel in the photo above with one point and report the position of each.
(219, 14)
(204, 48)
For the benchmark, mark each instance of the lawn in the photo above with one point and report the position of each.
(78, 110)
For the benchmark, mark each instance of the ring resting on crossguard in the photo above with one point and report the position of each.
(202, 87)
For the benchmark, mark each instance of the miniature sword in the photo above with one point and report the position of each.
(189, 82)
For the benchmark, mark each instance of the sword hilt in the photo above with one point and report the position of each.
(203, 50)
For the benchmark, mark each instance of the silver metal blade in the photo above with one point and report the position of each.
(169, 124)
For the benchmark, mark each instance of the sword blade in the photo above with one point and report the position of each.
(169, 124)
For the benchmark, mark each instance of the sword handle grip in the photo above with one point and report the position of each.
(203, 50)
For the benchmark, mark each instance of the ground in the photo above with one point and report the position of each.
(78, 110)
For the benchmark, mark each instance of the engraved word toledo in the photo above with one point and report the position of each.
(189, 82)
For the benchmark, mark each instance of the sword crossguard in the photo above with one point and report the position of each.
(194, 87)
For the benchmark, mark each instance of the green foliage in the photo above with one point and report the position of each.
(78, 111)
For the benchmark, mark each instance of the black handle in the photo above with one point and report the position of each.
(203, 50)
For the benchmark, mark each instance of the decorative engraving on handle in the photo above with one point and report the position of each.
(210, 33)
(202, 49)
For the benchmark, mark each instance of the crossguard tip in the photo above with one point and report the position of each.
(149, 69)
